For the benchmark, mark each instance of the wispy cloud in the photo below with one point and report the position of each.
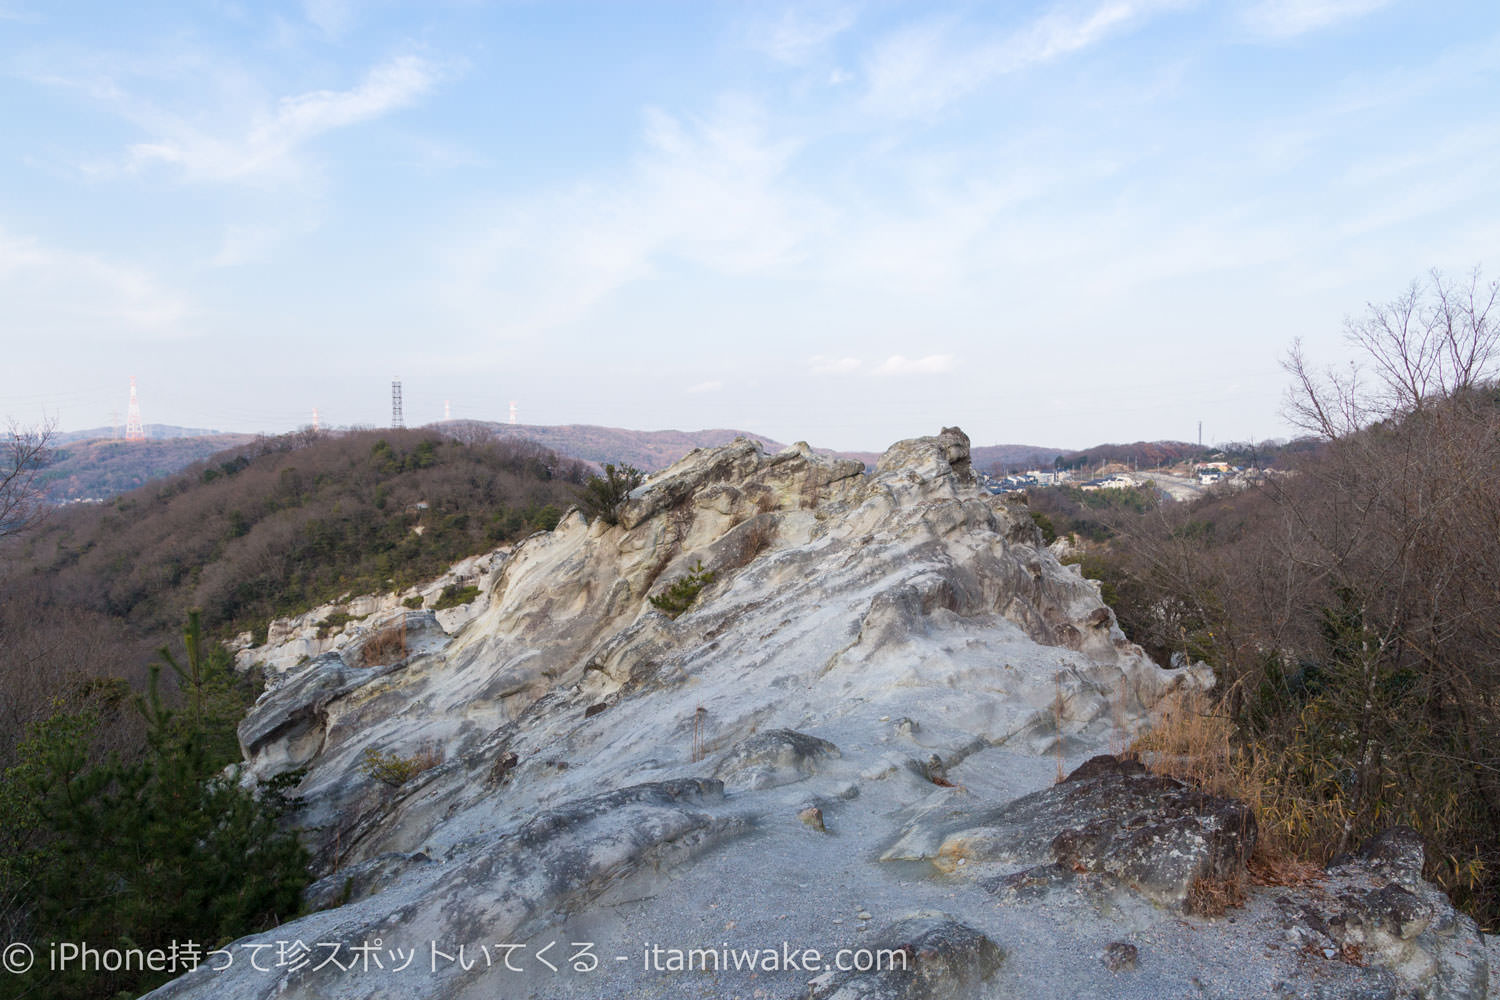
(268, 146)
(932, 364)
(210, 119)
(1289, 18)
(820, 365)
(332, 17)
(800, 32)
(705, 193)
(47, 288)
(922, 68)
(711, 386)
(245, 242)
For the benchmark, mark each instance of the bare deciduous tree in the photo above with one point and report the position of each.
(1434, 341)
(22, 494)
(1349, 603)
(1431, 342)
(470, 432)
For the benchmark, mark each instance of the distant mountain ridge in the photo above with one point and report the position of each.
(105, 467)
(646, 450)
(94, 464)
(154, 432)
(653, 450)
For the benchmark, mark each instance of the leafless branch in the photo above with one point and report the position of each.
(22, 494)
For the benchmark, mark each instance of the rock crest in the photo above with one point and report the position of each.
(886, 657)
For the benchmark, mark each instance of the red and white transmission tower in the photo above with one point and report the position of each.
(134, 430)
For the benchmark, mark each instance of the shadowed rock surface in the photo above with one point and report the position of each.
(1155, 835)
(932, 957)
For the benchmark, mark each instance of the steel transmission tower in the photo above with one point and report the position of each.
(134, 429)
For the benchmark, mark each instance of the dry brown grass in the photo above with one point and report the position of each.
(386, 646)
(1192, 740)
(1283, 871)
(759, 537)
(1057, 723)
(1301, 813)
(765, 498)
(698, 748)
(1210, 897)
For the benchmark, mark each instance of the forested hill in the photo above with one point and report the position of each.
(102, 467)
(647, 450)
(288, 522)
(97, 469)
(112, 826)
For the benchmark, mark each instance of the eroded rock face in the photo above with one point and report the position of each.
(558, 862)
(332, 628)
(879, 658)
(1155, 835)
(932, 957)
(774, 757)
(1376, 909)
(831, 590)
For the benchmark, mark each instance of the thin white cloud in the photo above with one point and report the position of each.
(46, 288)
(332, 17)
(720, 194)
(711, 386)
(820, 365)
(800, 33)
(921, 69)
(705, 193)
(1289, 18)
(269, 145)
(243, 243)
(932, 364)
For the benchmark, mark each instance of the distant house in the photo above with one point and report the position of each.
(1118, 481)
(1010, 484)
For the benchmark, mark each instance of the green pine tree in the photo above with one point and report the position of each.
(141, 853)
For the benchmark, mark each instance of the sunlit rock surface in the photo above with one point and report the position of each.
(877, 658)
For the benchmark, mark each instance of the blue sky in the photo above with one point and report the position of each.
(1057, 223)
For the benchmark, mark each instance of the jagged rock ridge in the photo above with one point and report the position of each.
(877, 654)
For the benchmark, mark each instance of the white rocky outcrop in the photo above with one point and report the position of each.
(292, 642)
(874, 652)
